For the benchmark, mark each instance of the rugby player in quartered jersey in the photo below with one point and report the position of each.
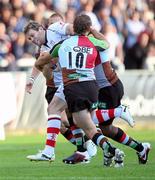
(110, 95)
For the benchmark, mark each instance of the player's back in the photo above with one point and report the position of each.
(77, 57)
(79, 53)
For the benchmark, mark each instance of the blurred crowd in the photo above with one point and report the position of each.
(129, 26)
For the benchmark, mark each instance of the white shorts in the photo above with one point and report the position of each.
(59, 93)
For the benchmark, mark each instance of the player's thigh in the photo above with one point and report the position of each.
(110, 97)
(81, 96)
(57, 105)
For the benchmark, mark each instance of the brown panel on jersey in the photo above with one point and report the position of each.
(50, 83)
(68, 76)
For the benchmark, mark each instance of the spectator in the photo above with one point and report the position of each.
(136, 55)
(130, 18)
(70, 15)
(6, 13)
(133, 27)
(116, 46)
(6, 57)
(117, 19)
(88, 10)
(19, 49)
(21, 20)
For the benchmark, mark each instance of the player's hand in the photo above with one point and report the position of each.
(29, 85)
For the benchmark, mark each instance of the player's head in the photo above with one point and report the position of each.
(35, 33)
(82, 24)
(55, 17)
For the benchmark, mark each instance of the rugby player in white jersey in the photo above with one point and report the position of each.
(46, 39)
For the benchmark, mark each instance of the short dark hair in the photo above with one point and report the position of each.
(32, 25)
(54, 18)
(82, 24)
(55, 14)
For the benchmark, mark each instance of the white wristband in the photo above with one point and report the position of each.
(32, 79)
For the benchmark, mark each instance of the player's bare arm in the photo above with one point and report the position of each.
(29, 84)
(43, 59)
(48, 71)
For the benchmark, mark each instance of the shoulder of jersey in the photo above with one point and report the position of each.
(55, 25)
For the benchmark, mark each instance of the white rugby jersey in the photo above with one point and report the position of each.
(54, 33)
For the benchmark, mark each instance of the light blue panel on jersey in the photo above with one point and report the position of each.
(66, 53)
(104, 56)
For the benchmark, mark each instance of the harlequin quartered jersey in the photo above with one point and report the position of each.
(54, 33)
(77, 57)
(105, 75)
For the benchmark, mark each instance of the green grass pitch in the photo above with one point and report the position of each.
(14, 165)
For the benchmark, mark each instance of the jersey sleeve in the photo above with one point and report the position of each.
(100, 45)
(104, 56)
(59, 27)
(54, 51)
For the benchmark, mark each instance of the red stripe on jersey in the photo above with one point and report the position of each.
(50, 143)
(99, 116)
(53, 130)
(122, 138)
(111, 113)
(85, 42)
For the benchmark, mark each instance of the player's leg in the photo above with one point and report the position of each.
(104, 115)
(55, 107)
(110, 106)
(85, 147)
(82, 143)
(110, 97)
(83, 120)
(118, 135)
(67, 133)
(79, 106)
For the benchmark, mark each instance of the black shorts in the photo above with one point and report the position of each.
(50, 91)
(81, 95)
(110, 97)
